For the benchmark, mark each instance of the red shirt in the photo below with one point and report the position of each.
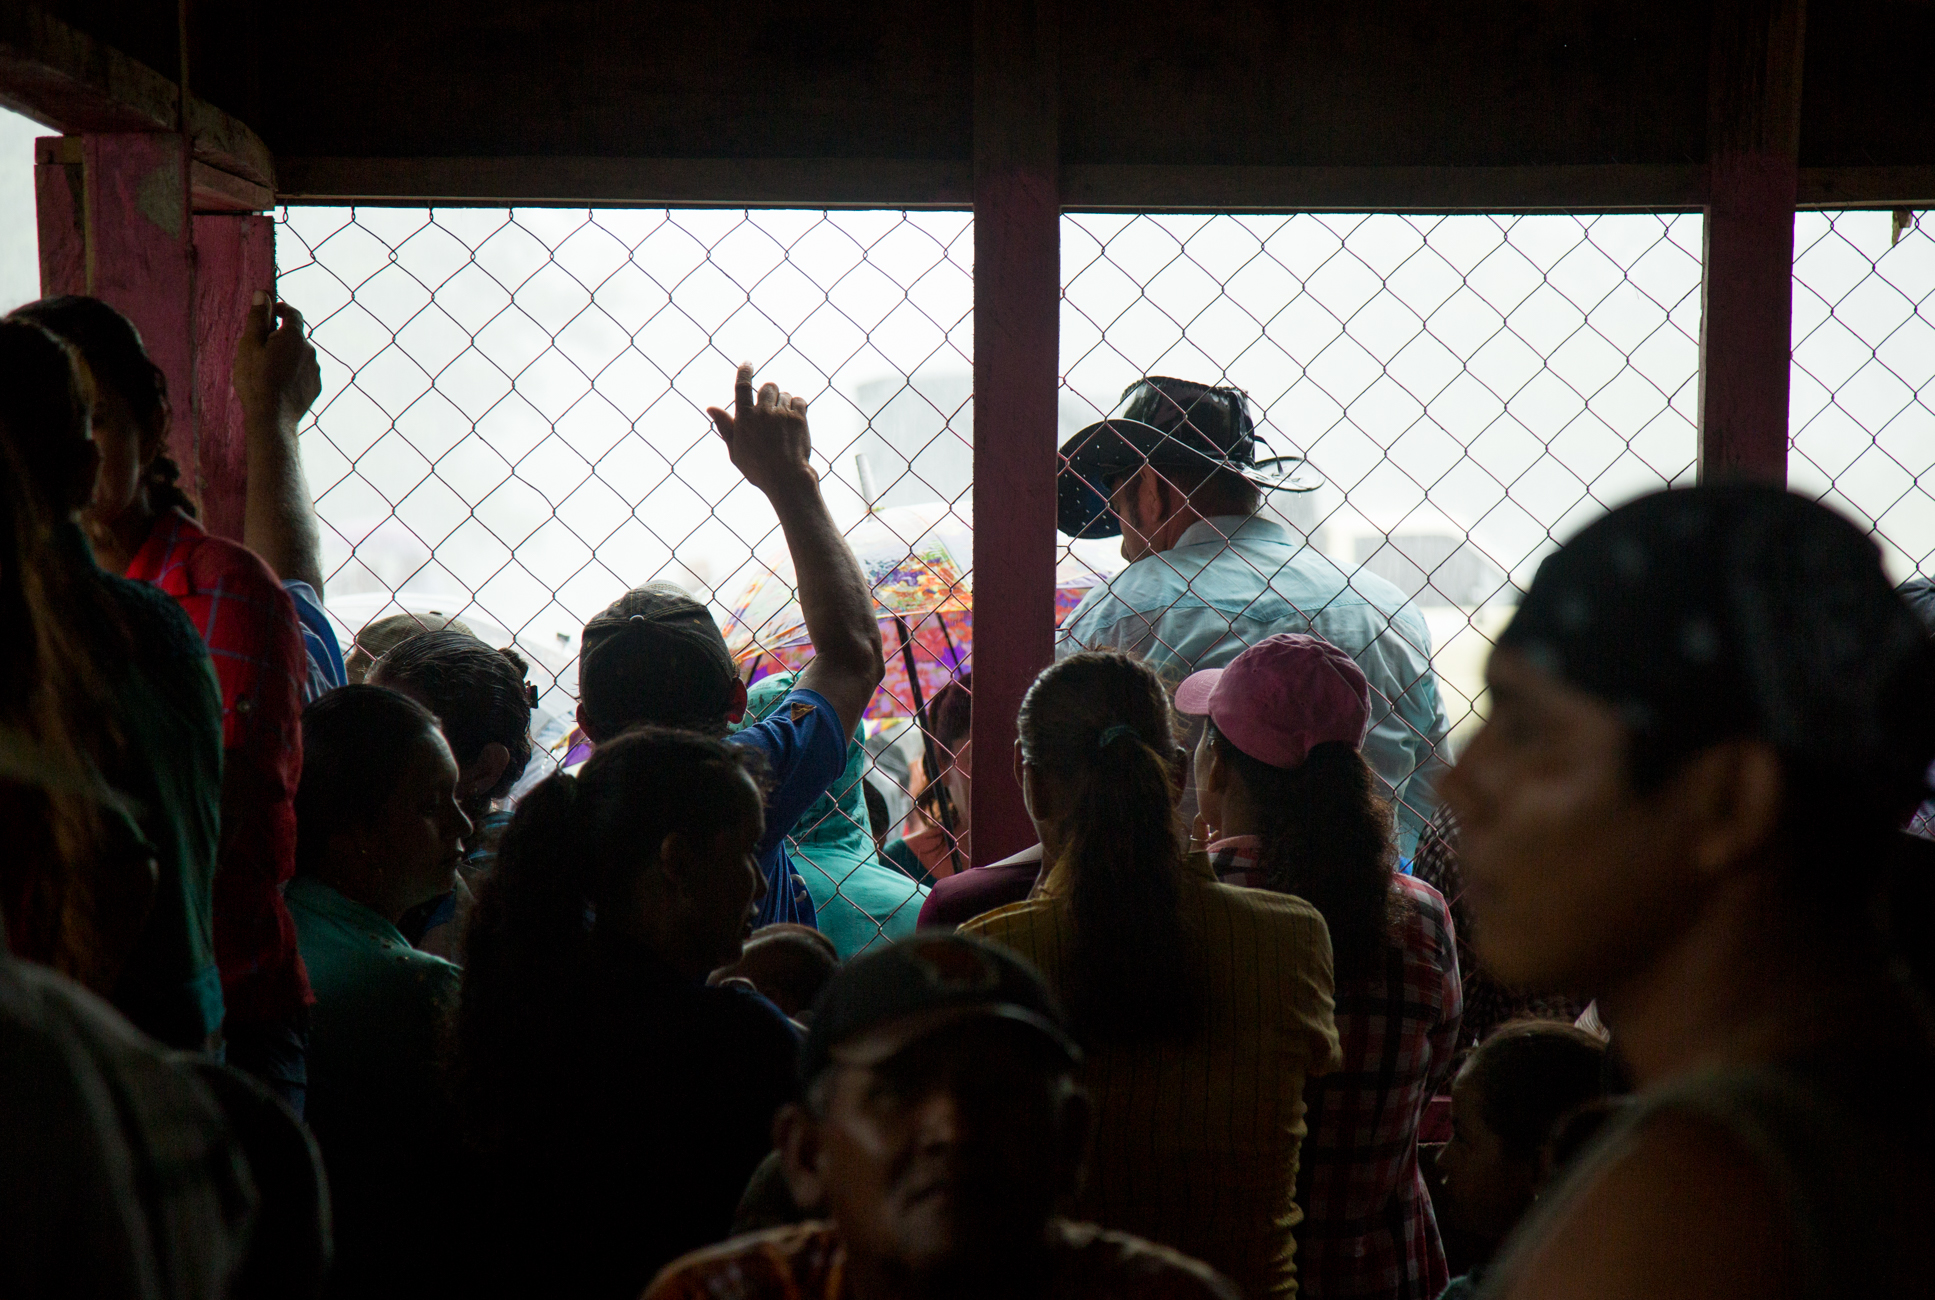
(249, 624)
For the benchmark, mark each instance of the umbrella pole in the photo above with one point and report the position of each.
(941, 803)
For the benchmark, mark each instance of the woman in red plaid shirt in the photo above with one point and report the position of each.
(143, 526)
(1288, 804)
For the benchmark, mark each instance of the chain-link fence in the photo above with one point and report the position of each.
(512, 428)
(1862, 414)
(1467, 389)
(512, 431)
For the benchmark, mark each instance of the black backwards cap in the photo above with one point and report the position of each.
(891, 997)
(655, 655)
(1740, 610)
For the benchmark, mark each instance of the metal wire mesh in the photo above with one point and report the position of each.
(512, 431)
(1470, 388)
(512, 426)
(1862, 405)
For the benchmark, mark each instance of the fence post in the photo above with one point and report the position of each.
(1017, 306)
(115, 219)
(1747, 279)
(234, 256)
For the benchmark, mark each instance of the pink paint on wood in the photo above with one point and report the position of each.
(141, 262)
(60, 215)
(1017, 339)
(1746, 318)
(1747, 280)
(234, 257)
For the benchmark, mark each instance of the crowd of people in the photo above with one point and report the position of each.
(310, 989)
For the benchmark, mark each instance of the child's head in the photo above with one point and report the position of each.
(789, 964)
(1511, 1092)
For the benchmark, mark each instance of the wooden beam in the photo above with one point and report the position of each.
(1747, 284)
(62, 77)
(1190, 188)
(1017, 321)
(113, 221)
(234, 257)
(1085, 187)
(719, 182)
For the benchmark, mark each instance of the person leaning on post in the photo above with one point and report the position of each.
(938, 1123)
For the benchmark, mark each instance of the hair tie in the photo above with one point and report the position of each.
(1114, 733)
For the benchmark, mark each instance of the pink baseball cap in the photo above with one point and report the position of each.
(1282, 697)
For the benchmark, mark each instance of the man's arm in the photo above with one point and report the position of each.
(276, 380)
(769, 443)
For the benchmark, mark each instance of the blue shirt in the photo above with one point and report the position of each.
(326, 671)
(805, 751)
(1233, 580)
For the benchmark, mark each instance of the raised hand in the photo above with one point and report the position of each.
(766, 434)
(276, 374)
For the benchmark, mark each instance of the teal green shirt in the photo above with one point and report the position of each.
(376, 1100)
(857, 900)
(376, 1030)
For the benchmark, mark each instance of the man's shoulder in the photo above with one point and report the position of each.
(1098, 1262)
(352, 957)
(797, 1262)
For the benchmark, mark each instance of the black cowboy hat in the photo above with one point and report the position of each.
(1168, 423)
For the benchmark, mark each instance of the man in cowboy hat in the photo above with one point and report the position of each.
(1176, 474)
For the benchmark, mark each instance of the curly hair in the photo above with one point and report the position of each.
(480, 695)
(111, 346)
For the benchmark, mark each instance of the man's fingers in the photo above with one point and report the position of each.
(260, 312)
(289, 317)
(722, 422)
(799, 405)
(768, 396)
(742, 390)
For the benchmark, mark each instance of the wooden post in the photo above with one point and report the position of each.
(1747, 283)
(115, 222)
(1017, 306)
(234, 257)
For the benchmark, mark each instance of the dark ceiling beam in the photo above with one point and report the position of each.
(61, 76)
(1085, 187)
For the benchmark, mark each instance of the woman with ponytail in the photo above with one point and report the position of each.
(143, 526)
(1203, 1008)
(1289, 805)
(617, 1104)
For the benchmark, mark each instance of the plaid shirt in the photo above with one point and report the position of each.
(249, 625)
(1487, 1003)
(1368, 1226)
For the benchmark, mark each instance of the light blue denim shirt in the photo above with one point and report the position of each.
(1232, 580)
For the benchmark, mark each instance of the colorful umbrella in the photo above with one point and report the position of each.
(915, 559)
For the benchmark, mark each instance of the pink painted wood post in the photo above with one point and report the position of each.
(234, 257)
(1747, 285)
(1017, 305)
(114, 223)
(114, 219)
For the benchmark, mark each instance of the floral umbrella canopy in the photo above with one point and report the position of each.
(916, 559)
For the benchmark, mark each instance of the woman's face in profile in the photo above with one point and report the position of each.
(117, 488)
